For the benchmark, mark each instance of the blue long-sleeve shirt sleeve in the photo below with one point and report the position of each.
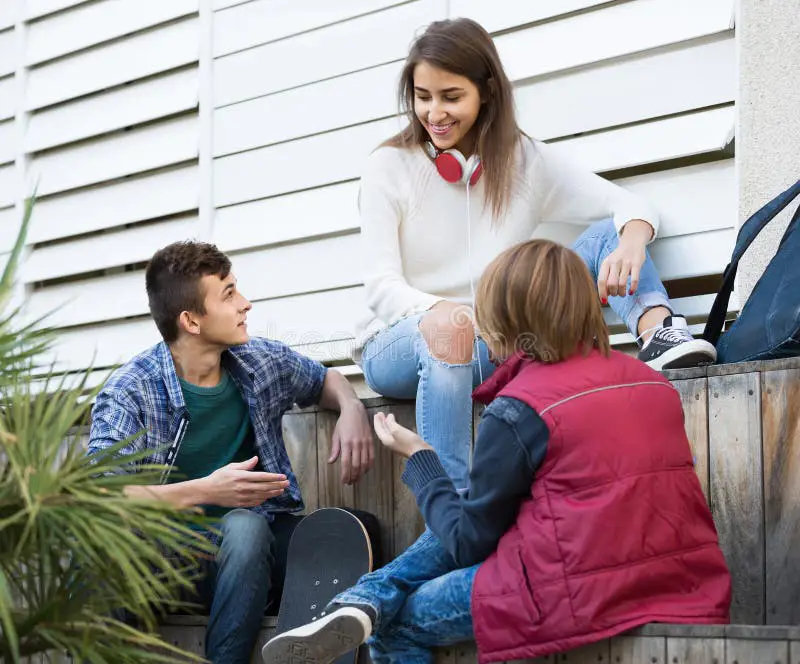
(510, 447)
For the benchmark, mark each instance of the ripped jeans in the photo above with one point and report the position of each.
(397, 362)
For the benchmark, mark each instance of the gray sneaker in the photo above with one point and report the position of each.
(321, 641)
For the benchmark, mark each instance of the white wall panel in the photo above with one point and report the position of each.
(8, 55)
(122, 107)
(95, 23)
(263, 21)
(151, 147)
(620, 92)
(657, 141)
(363, 42)
(8, 13)
(304, 267)
(324, 159)
(7, 185)
(103, 345)
(9, 226)
(137, 199)
(107, 298)
(304, 319)
(7, 97)
(310, 213)
(685, 256)
(692, 199)
(7, 141)
(223, 4)
(36, 8)
(348, 100)
(113, 64)
(107, 250)
(615, 31)
(503, 14)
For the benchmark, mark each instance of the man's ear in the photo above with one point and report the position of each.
(189, 322)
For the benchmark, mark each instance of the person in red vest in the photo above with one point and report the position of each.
(583, 518)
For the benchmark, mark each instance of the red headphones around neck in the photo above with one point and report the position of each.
(453, 166)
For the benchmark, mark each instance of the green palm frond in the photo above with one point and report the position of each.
(74, 550)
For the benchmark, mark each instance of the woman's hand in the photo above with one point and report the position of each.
(625, 261)
(396, 437)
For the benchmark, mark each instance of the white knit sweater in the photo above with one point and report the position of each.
(416, 248)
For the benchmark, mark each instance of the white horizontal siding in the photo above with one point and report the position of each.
(9, 227)
(296, 113)
(348, 46)
(107, 250)
(693, 199)
(324, 159)
(8, 13)
(612, 32)
(137, 199)
(8, 56)
(122, 107)
(501, 14)
(700, 254)
(139, 150)
(315, 212)
(7, 186)
(304, 267)
(702, 133)
(118, 62)
(7, 141)
(7, 97)
(38, 8)
(263, 21)
(95, 23)
(617, 92)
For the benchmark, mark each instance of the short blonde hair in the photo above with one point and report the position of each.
(539, 298)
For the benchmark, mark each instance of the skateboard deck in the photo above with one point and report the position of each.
(328, 552)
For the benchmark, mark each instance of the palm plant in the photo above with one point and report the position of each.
(74, 550)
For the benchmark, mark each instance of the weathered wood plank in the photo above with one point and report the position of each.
(695, 651)
(739, 651)
(300, 436)
(638, 650)
(594, 653)
(332, 492)
(794, 652)
(780, 400)
(736, 487)
(191, 638)
(408, 522)
(375, 493)
(694, 398)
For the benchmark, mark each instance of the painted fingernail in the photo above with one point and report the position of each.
(604, 300)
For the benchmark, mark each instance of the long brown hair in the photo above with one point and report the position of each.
(462, 47)
(538, 298)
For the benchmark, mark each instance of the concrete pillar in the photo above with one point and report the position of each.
(768, 129)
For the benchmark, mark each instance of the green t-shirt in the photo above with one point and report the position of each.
(219, 433)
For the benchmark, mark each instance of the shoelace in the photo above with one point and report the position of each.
(671, 334)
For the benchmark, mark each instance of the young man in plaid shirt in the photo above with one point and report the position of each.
(208, 400)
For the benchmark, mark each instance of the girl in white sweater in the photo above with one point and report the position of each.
(445, 196)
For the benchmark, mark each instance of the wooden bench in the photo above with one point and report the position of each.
(743, 422)
(651, 644)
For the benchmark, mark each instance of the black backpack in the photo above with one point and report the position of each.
(768, 326)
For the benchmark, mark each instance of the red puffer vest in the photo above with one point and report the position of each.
(617, 532)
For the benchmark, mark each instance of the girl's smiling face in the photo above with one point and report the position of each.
(447, 105)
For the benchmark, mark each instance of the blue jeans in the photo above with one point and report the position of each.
(397, 362)
(236, 585)
(421, 600)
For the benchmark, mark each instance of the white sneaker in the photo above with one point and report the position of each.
(321, 641)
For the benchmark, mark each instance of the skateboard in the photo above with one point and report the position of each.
(329, 551)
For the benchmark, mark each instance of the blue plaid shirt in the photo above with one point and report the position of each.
(145, 395)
